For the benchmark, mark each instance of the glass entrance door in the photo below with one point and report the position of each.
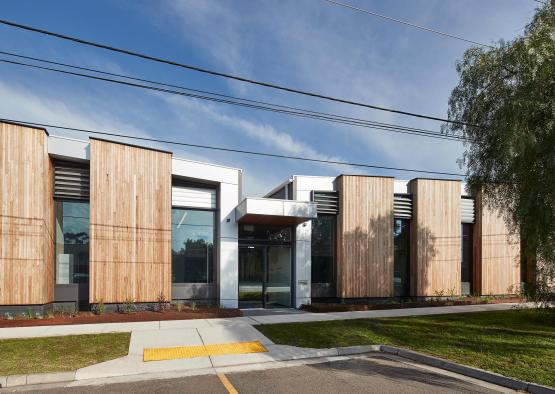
(264, 277)
(251, 276)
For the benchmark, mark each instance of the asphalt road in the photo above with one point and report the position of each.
(371, 374)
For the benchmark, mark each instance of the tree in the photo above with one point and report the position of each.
(504, 106)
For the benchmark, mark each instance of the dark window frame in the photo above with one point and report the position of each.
(57, 201)
(213, 279)
(406, 223)
(333, 243)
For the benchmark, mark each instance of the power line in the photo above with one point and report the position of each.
(408, 23)
(240, 151)
(369, 122)
(313, 115)
(223, 75)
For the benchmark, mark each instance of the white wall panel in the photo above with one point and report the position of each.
(302, 272)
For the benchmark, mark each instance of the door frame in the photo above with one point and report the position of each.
(266, 247)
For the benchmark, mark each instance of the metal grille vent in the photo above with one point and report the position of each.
(467, 210)
(327, 202)
(402, 206)
(71, 180)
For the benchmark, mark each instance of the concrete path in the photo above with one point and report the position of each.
(295, 317)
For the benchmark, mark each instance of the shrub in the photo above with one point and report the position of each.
(128, 306)
(99, 308)
(179, 305)
(28, 314)
(8, 316)
(193, 306)
(162, 302)
(50, 314)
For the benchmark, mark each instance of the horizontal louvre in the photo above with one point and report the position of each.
(467, 210)
(71, 180)
(402, 206)
(327, 202)
(194, 197)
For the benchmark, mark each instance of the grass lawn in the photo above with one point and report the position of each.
(516, 343)
(56, 354)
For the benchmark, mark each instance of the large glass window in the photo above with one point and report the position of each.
(192, 246)
(323, 251)
(72, 242)
(466, 260)
(401, 264)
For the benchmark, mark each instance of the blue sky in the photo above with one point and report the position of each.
(309, 44)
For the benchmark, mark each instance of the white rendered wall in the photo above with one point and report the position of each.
(228, 246)
(302, 188)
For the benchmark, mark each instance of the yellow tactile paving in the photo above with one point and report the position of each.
(173, 353)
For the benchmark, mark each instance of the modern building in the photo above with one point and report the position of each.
(89, 221)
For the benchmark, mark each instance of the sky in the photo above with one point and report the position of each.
(311, 45)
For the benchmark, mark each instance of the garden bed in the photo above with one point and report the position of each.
(117, 317)
(321, 307)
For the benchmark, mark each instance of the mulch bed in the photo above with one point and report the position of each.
(334, 307)
(114, 317)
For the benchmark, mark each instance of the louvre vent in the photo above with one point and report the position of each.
(71, 180)
(467, 210)
(402, 206)
(327, 202)
(193, 197)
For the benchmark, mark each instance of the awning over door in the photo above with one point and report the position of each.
(273, 211)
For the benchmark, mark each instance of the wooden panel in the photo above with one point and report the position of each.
(130, 246)
(365, 237)
(496, 253)
(435, 237)
(26, 217)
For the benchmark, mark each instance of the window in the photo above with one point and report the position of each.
(466, 258)
(251, 233)
(323, 249)
(401, 259)
(192, 246)
(72, 242)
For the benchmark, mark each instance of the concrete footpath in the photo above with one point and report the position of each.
(284, 317)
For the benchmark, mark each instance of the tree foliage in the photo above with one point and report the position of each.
(504, 105)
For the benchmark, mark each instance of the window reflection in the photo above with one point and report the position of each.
(72, 242)
(323, 252)
(401, 241)
(192, 246)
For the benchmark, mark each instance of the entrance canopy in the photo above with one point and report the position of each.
(274, 211)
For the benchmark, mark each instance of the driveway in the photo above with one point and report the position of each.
(372, 373)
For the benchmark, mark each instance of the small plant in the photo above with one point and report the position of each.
(99, 308)
(28, 314)
(128, 306)
(179, 305)
(439, 293)
(193, 306)
(8, 316)
(39, 316)
(162, 302)
(70, 310)
(452, 292)
(50, 314)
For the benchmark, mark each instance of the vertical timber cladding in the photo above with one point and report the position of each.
(130, 247)
(496, 253)
(26, 217)
(365, 237)
(435, 237)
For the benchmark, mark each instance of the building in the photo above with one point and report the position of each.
(83, 222)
